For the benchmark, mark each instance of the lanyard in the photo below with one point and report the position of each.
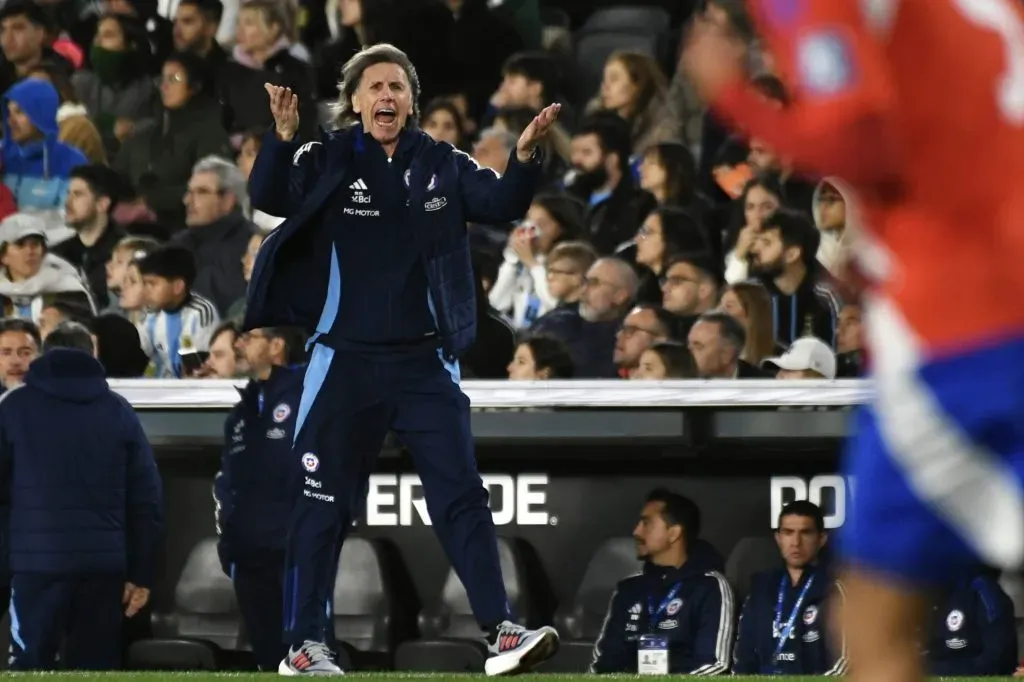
(784, 632)
(653, 615)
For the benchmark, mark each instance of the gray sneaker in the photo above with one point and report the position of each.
(312, 658)
(517, 650)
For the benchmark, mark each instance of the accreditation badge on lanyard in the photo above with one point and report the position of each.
(652, 651)
(784, 632)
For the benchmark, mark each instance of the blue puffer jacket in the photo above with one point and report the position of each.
(85, 491)
(37, 172)
(289, 283)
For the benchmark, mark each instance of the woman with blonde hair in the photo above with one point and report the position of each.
(635, 88)
(751, 305)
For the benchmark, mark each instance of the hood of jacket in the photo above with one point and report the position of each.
(39, 101)
(67, 374)
(834, 247)
(55, 276)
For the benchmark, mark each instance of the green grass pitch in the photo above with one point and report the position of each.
(402, 677)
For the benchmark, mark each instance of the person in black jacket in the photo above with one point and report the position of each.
(255, 489)
(375, 256)
(85, 510)
(973, 632)
(784, 624)
(675, 598)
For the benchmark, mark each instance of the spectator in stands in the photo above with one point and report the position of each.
(830, 217)
(117, 267)
(36, 165)
(195, 31)
(23, 40)
(158, 159)
(566, 271)
(556, 148)
(55, 313)
(493, 148)
(260, 56)
(75, 128)
(158, 27)
(634, 88)
(665, 234)
(541, 357)
(31, 277)
(751, 305)
(20, 342)
(849, 338)
(495, 340)
(224, 361)
(218, 233)
(716, 341)
(689, 287)
(783, 259)
(688, 606)
(117, 89)
(92, 194)
(178, 319)
(92, 483)
(669, 360)
(668, 172)
(973, 632)
(589, 329)
(118, 347)
(442, 120)
(806, 358)
(785, 628)
(237, 309)
(256, 486)
(529, 80)
(602, 179)
(761, 197)
(521, 287)
(131, 302)
(643, 327)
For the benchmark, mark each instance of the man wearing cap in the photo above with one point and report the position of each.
(807, 358)
(36, 165)
(31, 278)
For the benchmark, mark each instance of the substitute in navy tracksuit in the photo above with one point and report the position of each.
(254, 493)
(86, 515)
(375, 258)
(691, 606)
(973, 632)
(775, 606)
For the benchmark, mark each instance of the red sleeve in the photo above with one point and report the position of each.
(840, 120)
(8, 206)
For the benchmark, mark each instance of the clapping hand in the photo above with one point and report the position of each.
(284, 105)
(536, 131)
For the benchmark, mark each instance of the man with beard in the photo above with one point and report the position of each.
(92, 193)
(783, 626)
(195, 31)
(602, 180)
(783, 259)
(676, 616)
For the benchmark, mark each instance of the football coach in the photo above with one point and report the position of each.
(374, 259)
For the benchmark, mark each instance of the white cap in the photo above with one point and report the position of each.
(20, 225)
(807, 353)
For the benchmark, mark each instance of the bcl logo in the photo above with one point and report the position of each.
(830, 492)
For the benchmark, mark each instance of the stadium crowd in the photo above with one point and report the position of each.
(659, 246)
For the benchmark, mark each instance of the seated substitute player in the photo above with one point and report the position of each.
(676, 616)
(938, 454)
(784, 624)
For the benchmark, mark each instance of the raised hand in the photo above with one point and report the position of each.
(536, 131)
(284, 105)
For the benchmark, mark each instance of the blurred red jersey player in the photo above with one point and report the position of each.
(919, 105)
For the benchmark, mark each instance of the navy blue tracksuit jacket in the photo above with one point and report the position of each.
(254, 492)
(808, 648)
(690, 606)
(85, 514)
(298, 277)
(973, 632)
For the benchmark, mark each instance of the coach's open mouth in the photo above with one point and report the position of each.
(385, 116)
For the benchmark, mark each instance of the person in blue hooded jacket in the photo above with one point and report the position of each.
(85, 509)
(36, 165)
(374, 256)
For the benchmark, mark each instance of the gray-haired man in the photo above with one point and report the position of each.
(375, 257)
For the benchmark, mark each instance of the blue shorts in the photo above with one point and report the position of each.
(937, 463)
